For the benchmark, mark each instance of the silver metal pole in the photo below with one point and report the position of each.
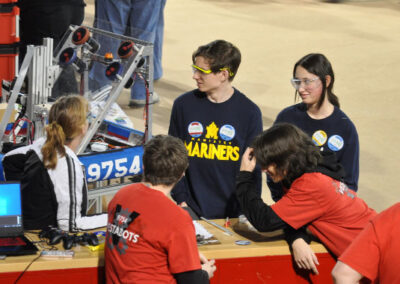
(16, 90)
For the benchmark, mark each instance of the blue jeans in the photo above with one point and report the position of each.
(141, 19)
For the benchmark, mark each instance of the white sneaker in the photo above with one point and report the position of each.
(155, 98)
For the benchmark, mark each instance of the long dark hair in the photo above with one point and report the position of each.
(289, 149)
(320, 66)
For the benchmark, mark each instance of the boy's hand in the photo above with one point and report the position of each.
(210, 267)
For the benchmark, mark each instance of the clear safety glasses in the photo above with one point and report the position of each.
(296, 83)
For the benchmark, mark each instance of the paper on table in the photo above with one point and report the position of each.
(200, 230)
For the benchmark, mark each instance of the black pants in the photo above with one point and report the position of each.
(50, 20)
(38, 22)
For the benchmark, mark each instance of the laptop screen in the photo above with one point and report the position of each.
(10, 209)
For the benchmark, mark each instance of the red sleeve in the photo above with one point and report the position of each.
(300, 205)
(363, 253)
(183, 254)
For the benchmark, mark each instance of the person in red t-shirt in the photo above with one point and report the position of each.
(374, 253)
(149, 238)
(315, 199)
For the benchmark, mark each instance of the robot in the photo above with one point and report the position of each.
(109, 150)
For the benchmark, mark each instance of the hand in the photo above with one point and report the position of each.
(209, 267)
(248, 160)
(203, 259)
(183, 204)
(303, 255)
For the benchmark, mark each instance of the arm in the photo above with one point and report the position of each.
(275, 188)
(185, 262)
(90, 222)
(344, 274)
(174, 123)
(255, 127)
(199, 276)
(263, 218)
(179, 192)
(260, 215)
(350, 159)
(207, 265)
(68, 179)
(304, 256)
(291, 235)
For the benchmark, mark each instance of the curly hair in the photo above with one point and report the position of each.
(288, 148)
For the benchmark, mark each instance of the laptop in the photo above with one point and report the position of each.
(12, 239)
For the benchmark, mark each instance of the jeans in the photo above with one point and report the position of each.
(141, 19)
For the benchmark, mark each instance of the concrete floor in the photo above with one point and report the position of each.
(360, 38)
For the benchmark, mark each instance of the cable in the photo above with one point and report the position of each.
(146, 107)
(33, 260)
(29, 122)
(22, 273)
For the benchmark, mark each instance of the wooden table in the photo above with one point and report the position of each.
(259, 262)
(85, 267)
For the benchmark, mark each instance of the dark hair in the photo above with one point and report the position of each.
(289, 149)
(319, 65)
(67, 116)
(220, 54)
(165, 158)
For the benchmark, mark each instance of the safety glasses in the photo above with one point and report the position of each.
(296, 83)
(203, 71)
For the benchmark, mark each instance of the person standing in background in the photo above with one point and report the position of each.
(50, 18)
(141, 19)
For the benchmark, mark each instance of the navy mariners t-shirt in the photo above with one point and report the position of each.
(215, 135)
(335, 133)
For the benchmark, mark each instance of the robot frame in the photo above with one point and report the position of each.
(80, 50)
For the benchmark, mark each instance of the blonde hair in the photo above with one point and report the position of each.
(66, 118)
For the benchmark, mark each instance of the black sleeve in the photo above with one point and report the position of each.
(13, 166)
(260, 215)
(291, 235)
(275, 188)
(192, 277)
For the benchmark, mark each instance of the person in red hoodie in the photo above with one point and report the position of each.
(315, 200)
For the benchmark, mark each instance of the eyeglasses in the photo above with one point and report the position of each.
(203, 71)
(297, 82)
